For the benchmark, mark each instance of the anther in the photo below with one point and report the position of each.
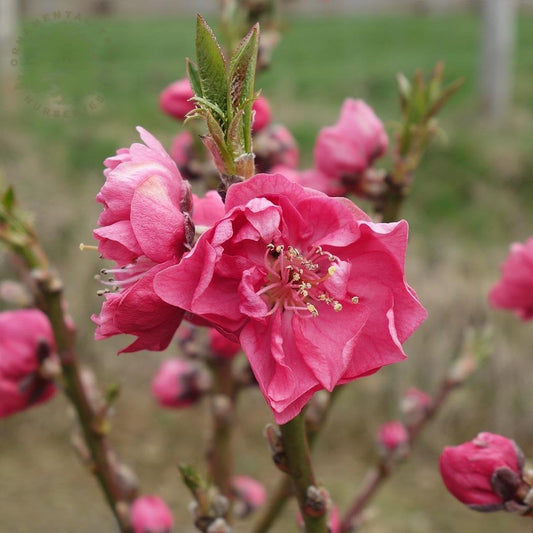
(312, 309)
(355, 300)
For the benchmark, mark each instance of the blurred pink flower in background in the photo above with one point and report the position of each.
(144, 227)
(249, 494)
(262, 114)
(275, 145)
(470, 470)
(150, 514)
(179, 383)
(514, 291)
(27, 346)
(346, 150)
(221, 346)
(175, 100)
(392, 435)
(314, 291)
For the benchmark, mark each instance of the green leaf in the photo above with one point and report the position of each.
(235, 133)
(194, 77)
(218, 137)
(242, 76)
(211, 66)
(444, 96)
(8, 199)
(242, 68)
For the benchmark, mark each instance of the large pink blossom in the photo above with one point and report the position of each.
(470, 471)
(26, 342)
(144, 228)
(313, 290)
(345, 150)
(514, 291)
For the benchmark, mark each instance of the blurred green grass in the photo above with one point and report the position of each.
(472, 196)
(318, 63)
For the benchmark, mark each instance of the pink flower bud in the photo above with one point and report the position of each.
(262, 116)
(483, 473)
(26, 346)
(222, 346)
(249, 494)
(350, 146)
(274, 145)
(175, 99)
(392, 436)
(514, 291)
(150, 514)
(179, 383)
(415, 404)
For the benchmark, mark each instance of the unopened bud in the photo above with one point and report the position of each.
(316, 501)
(248, 495)
(150, 514)
(393, 438)
(219, 505)
(219, 526)
(483, 473)
(179, 383)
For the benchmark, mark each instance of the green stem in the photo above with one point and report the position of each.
(221, 456)
(49, 298)
(283, 490)
(296, 449)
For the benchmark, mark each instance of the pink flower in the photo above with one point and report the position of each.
(475, 471)
(222, 346)
(514, 291)
(262, 115)
(249, 494)
(348, 148)
(26, 345)
(275, 145)
(144, 228)
(175, 100)
(150, 514)
(314, 291)
(392, 435)
(207, 210)
(179, 383)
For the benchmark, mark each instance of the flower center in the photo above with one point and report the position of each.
(295, 281)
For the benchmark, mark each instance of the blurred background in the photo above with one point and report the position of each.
(106, 63)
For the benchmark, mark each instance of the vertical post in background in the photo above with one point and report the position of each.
(8, 30)
(497, 50)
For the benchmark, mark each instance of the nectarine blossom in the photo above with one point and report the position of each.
(514, 291)
(144, 227)
(310, 286)
(344, 151)
(26, 342)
